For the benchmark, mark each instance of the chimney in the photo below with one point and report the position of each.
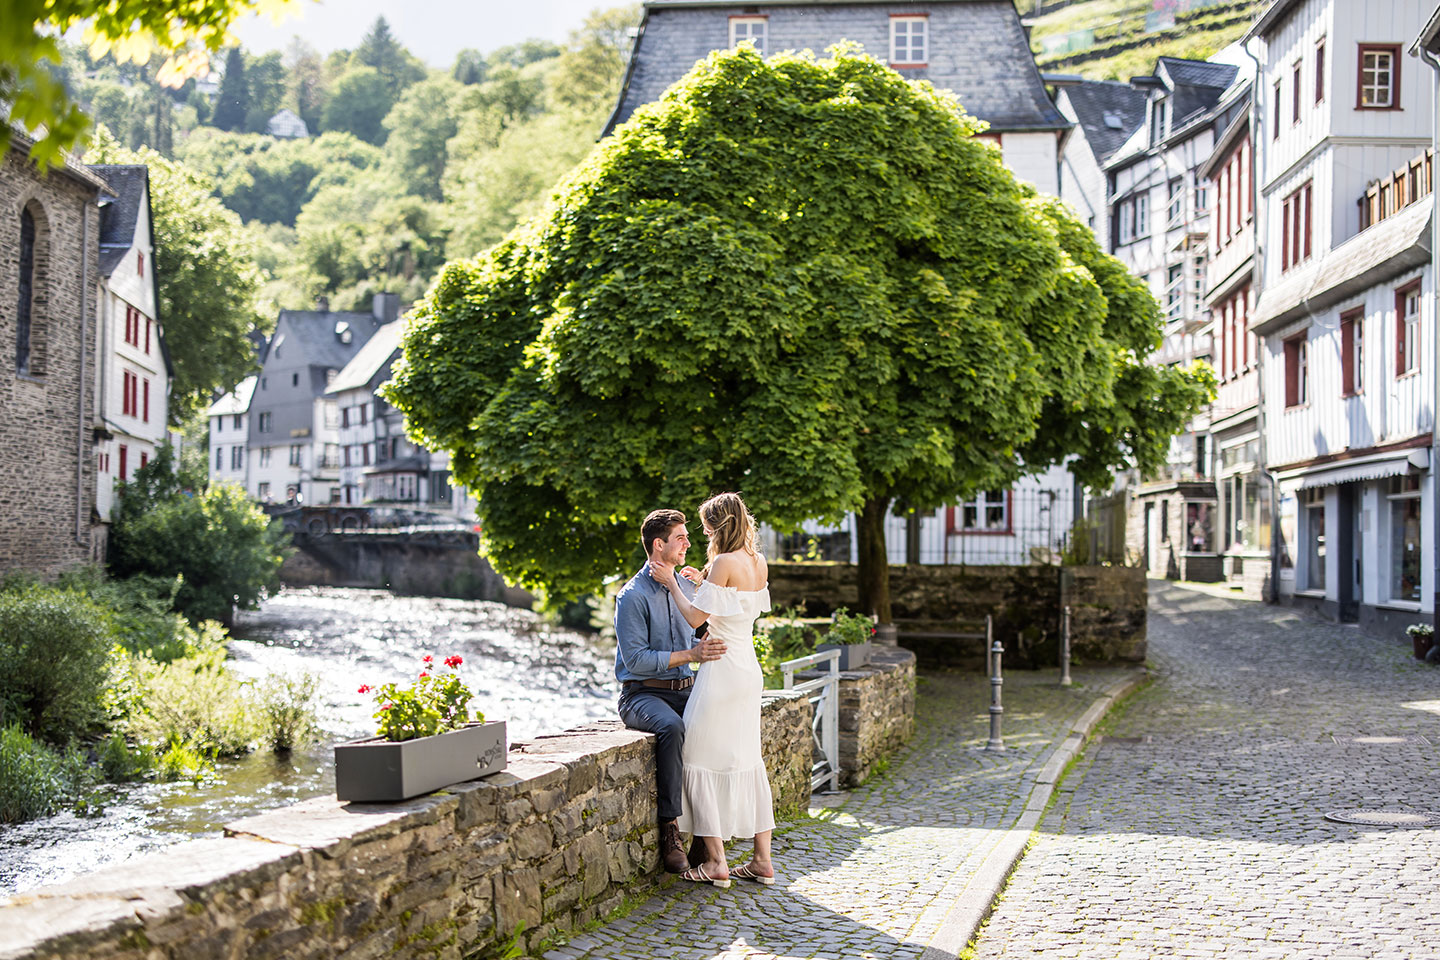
(322, 304)
(385, 307)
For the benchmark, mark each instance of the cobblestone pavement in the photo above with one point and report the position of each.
(874, 873)
(1207, 837)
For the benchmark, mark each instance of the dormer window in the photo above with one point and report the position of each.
(1159, 110)
(140, 262)
(909, 40)
(342, 332)
(749, 28)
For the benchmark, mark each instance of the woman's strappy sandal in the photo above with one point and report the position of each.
(698, 875)
(746, 872)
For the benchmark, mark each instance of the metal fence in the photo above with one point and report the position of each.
(824, 693)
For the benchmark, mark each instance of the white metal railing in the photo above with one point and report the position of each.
(824, 693)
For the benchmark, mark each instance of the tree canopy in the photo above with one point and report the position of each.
(184, 31)
(803, 279)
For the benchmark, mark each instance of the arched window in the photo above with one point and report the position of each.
(27, 292)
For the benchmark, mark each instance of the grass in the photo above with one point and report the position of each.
(1121, 47)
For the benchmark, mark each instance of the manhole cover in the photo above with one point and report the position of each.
(1382, 741)
(1384, 818)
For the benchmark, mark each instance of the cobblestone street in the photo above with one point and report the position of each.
(1205, 837)
(876, 874)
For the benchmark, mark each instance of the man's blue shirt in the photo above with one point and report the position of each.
(648, 628)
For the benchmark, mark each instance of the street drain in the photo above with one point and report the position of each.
(1382, 741)
(1384, 818)
(1126, 740)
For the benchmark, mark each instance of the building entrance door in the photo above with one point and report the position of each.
(1347, 548)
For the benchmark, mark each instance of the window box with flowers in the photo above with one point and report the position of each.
(851, 635)
(428, 739)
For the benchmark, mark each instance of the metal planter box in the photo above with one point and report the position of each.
(852, 655)
(380, 771)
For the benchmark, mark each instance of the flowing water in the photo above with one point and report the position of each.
(523, 670)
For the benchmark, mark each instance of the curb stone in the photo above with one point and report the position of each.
(977, 897)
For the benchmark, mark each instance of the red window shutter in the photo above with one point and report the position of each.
(140, 262)
(148, 324)
(146, 417)
(144, 459)
(1244, 301)
(125, 393)
(124, 455)
(1292, 373)
(1307, 221)
(1399, 333)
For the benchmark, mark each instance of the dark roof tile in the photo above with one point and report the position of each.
(1108, 111)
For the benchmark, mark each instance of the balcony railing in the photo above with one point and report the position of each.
(1391, 194)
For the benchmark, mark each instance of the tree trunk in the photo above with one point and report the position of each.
(874, 567)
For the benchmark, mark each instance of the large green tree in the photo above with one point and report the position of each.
(359, 101)
(802, 279)
(205, 269)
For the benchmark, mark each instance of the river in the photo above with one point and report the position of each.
(524, 670)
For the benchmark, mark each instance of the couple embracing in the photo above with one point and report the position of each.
(688, 674)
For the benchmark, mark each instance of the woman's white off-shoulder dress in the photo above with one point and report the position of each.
(727, 793)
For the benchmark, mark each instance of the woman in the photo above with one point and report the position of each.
(726, 790)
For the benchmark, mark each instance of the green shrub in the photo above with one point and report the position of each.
(287, 704)
(193, 701)
(122, 763)
(34, 780)
(140, 614)
(224, 548)
(54, 651)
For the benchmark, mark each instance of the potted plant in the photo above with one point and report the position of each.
(1423, 636)
(427, 739)
(851, 635)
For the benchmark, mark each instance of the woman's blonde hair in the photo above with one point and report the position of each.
(733, 527)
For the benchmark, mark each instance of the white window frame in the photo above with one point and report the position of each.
(750, 28)
(1411, 322)
(903, 40)
(296, 458)
(983, 503)
(1374, 88)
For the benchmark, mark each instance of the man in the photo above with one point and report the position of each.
(654, 648)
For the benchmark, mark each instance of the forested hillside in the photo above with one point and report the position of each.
(405, 167)
(1118, 39)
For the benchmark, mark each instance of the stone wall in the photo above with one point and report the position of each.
(555, 841)
(47, 430)
(877, 712)
(1107, 608)
(441, 564)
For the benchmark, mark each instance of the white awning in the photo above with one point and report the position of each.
(1393, 465)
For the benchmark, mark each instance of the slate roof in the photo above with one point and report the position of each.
(318, 335)
(1197, 73)
(1108, 111)
(977, 49)
(129, 186)
(372, 357)
(1191, 103)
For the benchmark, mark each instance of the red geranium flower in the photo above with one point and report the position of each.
(428, 659)
(453, 661)
(364, 688)
(424, 675)
(387, 706)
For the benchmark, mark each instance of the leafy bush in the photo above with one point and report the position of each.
(847, 628)
(122, 763)
(140, 614)
(34, 780)
(192, 702)
(224, 548)
(54, 651)
(288, 706)
(790, 637)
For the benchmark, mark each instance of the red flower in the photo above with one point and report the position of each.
(364, 688)
(424, 675)
(453, 661)
(387, 706)
(428, 659)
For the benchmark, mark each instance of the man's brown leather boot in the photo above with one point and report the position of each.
(672, 852)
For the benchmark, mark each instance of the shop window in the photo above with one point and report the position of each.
(1405, 538)
(1197, 527)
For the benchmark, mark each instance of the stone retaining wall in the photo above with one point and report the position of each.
(877, 713)
(1107, 608)
(557, 840)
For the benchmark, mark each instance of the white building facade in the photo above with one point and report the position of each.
(133, 374)
(1346, 308)
(229, 460)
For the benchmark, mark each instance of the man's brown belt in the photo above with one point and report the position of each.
(680, 684)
